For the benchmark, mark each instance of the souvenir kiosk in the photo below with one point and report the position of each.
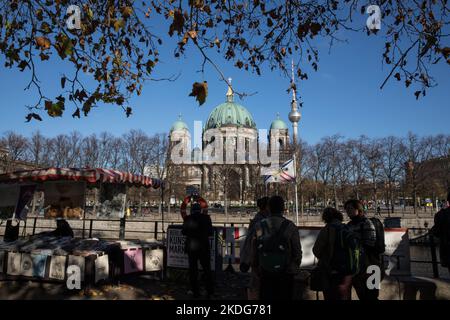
(55, 255)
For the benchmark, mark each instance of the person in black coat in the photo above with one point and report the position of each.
(441, 229)
(197, 228)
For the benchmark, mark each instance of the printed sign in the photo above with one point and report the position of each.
(101, 268)
(154, 260)
(397, 259)
(26, 265)
(13, 263)
(133, 261)
(58, 267)
(39, 265)
(176, 257)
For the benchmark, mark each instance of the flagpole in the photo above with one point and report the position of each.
(295, 188)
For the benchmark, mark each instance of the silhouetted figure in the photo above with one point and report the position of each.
(197, 228)
(371, 238)
(441, 230)
(331, 251)
(277, 253)
(246, 250)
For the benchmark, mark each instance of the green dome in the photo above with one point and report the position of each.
(278, 124)
(230, 114)
(179, 125)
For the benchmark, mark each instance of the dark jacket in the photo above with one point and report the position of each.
(365, 231)
(323, 248)
(197, 228)
(245, 252)
(441, 229)
(291, 233)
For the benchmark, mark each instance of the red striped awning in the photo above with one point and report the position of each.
(91, 176)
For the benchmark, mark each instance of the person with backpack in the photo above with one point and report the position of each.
(337, 251)
(370, 233)
(277, 253)
(441, 230)
(197, 228)
(245, 251)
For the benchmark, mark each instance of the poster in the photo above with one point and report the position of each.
(64, 199)
(57, 267)
(26, 265)
(8, 201)
(77, 261)
(13, 268)
(397, 259)
(101, 268)
(39, 265)
(176, 257)
(133, 261)
(112, 201)
(26, 194)
(154, 260)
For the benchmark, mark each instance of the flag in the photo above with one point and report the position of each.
(286, 173)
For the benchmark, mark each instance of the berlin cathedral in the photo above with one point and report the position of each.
(240, 183)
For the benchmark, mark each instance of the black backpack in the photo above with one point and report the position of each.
(346, 257)
(273, 248)
(380, 244)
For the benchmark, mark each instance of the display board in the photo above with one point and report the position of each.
(176, 257)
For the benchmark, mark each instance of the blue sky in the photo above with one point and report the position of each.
(342, 97)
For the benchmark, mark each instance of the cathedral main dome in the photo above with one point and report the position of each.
(230, 114)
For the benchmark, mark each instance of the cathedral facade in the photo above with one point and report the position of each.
(230, 127)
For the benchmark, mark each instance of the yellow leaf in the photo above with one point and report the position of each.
(43, 43)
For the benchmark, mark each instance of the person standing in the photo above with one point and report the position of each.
(197, 228)
(441, 230)
(277, 253)
(331, 251)
(366, 233)
(245, 252)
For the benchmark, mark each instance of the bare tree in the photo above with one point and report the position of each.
(17, 146)
(373, 164)
(358, 170)
(418, 151)
(393, 159)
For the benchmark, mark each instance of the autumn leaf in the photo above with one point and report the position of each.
(63, 82)
(22, 65)
(33, 116)
(128, 112)
(200, 91)
(192, 34)
(43, 43)
(76, 114)
(54, 109)
(397, 76)
(118, 24)
(178, 23)
(417, 94)
(127, 11)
